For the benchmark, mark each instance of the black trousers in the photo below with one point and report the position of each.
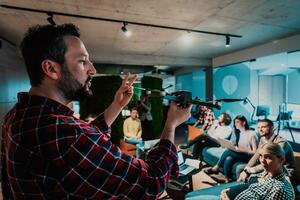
(147, 130)
(200, 142)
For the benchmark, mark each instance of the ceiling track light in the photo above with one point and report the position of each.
(227, 35)
(50, 19)
(227, 41)
(124, 29)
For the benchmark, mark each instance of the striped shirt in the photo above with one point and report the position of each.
(47, 153)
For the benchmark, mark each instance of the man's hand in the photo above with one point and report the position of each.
(243, 177)
(237, 149)
(125, 92)
(121, 99)
(176, 116)
(224, 195)
(196, 123)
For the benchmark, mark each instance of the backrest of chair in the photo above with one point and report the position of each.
(194, 132)
(296, 174)
(127, 148)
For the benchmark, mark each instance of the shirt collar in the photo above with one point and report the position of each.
(34, 100)
(277, 177)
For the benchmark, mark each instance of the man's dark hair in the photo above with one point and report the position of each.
(134, 108)
(227, 118)
(270, 123)
(45, 42)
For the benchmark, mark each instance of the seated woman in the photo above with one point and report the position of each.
(246, 145)
(272, 183)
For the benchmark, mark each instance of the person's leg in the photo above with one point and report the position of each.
(230, 157)
(195, 140)
(203, 141)
(220, 163)
(199, 143)
(138, 142)
(133, 140)
(138, 151)
(227, 167)
(224, 155)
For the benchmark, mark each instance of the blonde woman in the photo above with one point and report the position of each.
(271, 183)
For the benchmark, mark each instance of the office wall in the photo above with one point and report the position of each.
(233, 82)
(192, 81)
(13, 77)
(293, 87)
(272, 93)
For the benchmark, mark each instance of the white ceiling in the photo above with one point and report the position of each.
(258, 21)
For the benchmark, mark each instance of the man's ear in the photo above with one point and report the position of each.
(51, 69)
(273, 129)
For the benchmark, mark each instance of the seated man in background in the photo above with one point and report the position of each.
(266, 130)
(132, 130)
(219, 129)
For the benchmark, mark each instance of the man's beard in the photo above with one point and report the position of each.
(71, 88)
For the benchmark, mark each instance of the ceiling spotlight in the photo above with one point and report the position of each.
(227, 41)
(50, 19)
(125, 30)
(187, 38)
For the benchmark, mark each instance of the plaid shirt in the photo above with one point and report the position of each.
(277, 187)
(49, 154)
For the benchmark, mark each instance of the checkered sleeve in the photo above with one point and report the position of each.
(279, 193)
(95, 168)
(101, 124)
(4, 182)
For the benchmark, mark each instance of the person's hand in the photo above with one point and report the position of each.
(125, 92)
(196, 123)
(243, 177)
(224, 195)
(177, 115)
(237, 149)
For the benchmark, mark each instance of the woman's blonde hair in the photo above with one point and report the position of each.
(274, 149)
(277, 150)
